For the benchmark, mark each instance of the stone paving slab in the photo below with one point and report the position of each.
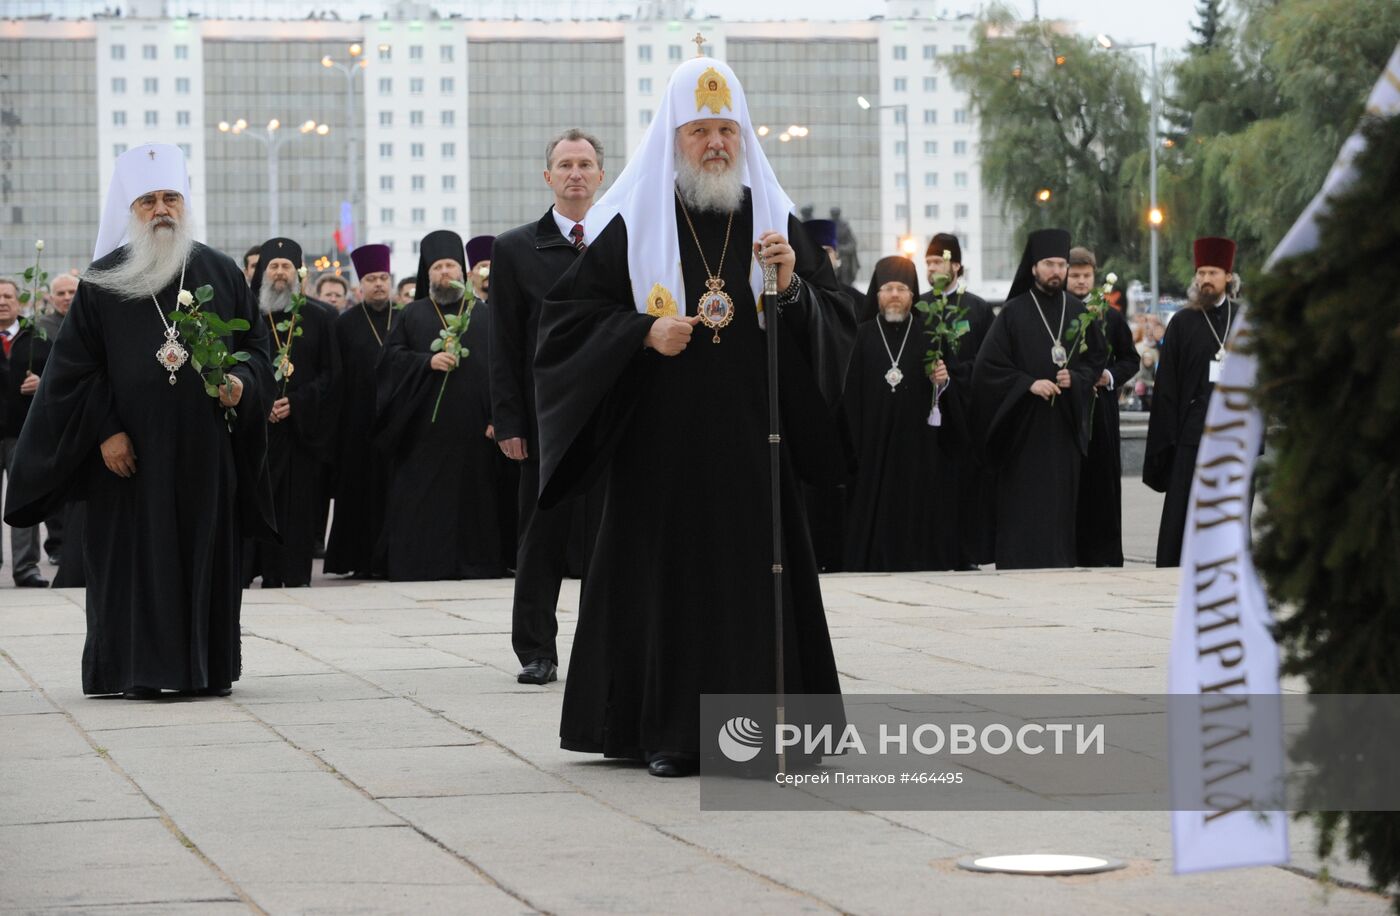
(378, 756)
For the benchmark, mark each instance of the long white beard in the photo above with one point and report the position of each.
(272, 300)
(701, 189)
(154, 257)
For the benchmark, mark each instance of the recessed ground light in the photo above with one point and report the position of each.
(1041, 864)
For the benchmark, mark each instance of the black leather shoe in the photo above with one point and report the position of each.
(670, 765)
(539, 671)
(141, 693)
(31, 580)
(207, 692)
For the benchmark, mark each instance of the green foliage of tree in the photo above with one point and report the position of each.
(1327, 336)
(1059, 113)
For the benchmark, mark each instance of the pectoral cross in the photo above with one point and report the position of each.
(699, 44)
(152, 154)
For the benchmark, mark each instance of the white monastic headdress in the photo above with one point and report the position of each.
(644, 193)
(139, 171)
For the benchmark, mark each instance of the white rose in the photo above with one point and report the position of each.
(186, 298)
(301, 272)
(39, 245)
(1112, 279)
(483, 271)
(962, 286)
(947, 255)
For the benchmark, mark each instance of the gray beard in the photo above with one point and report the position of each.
(706, 191)
(271, 300)
(445, 294)
(894, 316)
(154, 259)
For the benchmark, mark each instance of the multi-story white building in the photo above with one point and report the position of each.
(440, 121)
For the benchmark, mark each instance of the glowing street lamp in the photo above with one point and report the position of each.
(865, 105)
(357, 64)
(1153, 141)
(1043, 195)
(272, 138)
(1154, 216)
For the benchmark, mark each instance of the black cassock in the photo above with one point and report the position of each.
(361, 476)
(298, 447)
(442, 514)
(903, 499)
(162, 547)
(678, 600)
(976, 479)
(1180, 397)
(1036, 445)
(1100, 518)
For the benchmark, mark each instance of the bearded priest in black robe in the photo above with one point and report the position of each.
(360, 474)
(903, 507)
(442, 515)
(976, 481)
(302, 421)
(651, 373)
(171, 484)
(1099, 521)
(1032, 387)
(1191, 356)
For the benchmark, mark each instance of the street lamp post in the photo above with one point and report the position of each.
(1154, 214)
(272, 138)
(357, 65)
(864, 103)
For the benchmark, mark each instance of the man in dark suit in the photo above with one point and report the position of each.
(22, 360)
(525, 263)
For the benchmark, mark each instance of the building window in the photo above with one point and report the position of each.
(930, 147)
(415, 119)
(182, 119)
(148, 52)
(118, 119)
(415, 246)
(415, 151)
(447, 86)
(930, 52)
(675, 53)
(182, 52)
(901, 180)
(644, 53)
(118, 149)
(960, 116)
(419, 216)
(118, 52)
(152, 118)
(386, 119)
(959, 49)
(930, 179)
(930, 84)
(959, 179)
(386, 182)
(930, 115)
(445, 53)
(386, 215)
(449, 118)
(415, 52)
(150, 85)
(415, 86)
(901, 84)
(901, 211)
(449, 182)
(959, 147)
(449, 151)
(118, 85)
(386, 85)
(960, 211)
(449, 215)
(930, 211)
(419, 183)
(386, 151)
(901, 52)
(900, 147)
(645, 116)
(182, 85)
(644, 85)
(386, 52)
(899, 114)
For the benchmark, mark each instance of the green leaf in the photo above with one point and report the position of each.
(204, 294)
(436, 346)
(237, 324)
(29, 273)
(242, 356)
(24, 297)
(211, 390)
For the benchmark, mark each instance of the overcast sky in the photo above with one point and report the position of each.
(1167, 22)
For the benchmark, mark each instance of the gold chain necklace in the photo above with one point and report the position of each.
(388, 325)
(715, 308)
(287, 367)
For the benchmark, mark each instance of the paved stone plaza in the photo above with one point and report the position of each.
(378, 756)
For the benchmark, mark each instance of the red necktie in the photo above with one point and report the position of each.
(576, 234)
(9, 341)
